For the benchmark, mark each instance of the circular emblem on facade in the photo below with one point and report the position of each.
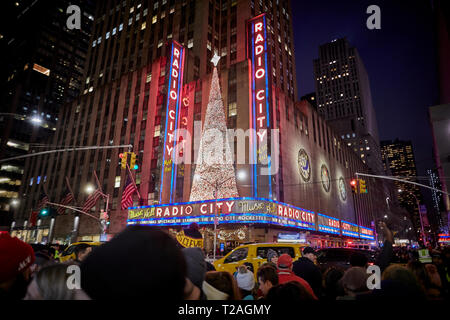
(325, 177)
(304, 165)
(342, 190)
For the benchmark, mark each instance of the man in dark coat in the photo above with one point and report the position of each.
(305, 268)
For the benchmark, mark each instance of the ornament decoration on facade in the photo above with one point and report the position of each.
(325, 178)
(304, 165)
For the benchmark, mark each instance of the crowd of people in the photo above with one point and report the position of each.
(145, 262)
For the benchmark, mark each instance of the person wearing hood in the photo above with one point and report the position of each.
(246, 282)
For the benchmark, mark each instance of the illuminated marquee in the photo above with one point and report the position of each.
(172, 121)
(349, 229)
(328, 224)
(260, 111)
(366, 233)
(232, 210)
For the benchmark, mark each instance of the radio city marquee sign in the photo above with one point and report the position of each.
(349, 229)
(260, 104)
(366, 233)
(233, 210)
(174, 84)
(244, 210)
(328, 224)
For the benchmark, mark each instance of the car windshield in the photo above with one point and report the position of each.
(237, 255)
(261, 252)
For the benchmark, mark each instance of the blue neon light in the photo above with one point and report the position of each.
(165, 129)
(349, 233)
(176, 121)
(255, 176)
(267, 104)
(192, 218)
(221, 200)
(366, 236)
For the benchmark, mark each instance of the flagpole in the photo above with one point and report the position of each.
(99, 186)
(70, 189)
(45, 190)
(132, 179)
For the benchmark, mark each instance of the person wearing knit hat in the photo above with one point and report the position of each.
(272, 257)
(16, 258)
(246, 282)
(285, 273)
(354, 281)
(141, 262)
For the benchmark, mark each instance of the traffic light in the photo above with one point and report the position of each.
(124, 157)
(44, 213)
(362, 186)
(47, 212)
(133, 164)
(353, 184)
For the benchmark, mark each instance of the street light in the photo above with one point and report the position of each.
(15, 202)
(418, 208)
(89, 188)
(241, 175)
(35, 119)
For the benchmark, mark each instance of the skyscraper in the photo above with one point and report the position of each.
(42, 68)
(398, 159)
(440, 122)
(437, 199)
(149, 72)
(344, 99)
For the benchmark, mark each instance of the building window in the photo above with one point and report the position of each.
(232, 109)
(117, 182)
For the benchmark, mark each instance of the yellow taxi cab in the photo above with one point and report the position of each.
(69, 253)
(255, 254)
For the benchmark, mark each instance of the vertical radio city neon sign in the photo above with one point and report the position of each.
(172, 120)
(260, 110)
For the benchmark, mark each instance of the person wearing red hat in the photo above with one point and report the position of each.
(16, 258)
(285, 274)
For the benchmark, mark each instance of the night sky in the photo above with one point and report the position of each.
(399, 59)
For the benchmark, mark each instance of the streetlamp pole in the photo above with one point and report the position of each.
(216, 220)
(215, 223)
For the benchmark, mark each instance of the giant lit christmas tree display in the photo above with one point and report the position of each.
(214, 174)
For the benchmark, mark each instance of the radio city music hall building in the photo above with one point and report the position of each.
(148, 74)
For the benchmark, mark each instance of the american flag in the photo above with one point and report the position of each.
(43, 199)
(68, 198)
(127, 194)
(91, 200)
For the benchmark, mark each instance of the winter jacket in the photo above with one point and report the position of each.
(286, 276)
(306, 269)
